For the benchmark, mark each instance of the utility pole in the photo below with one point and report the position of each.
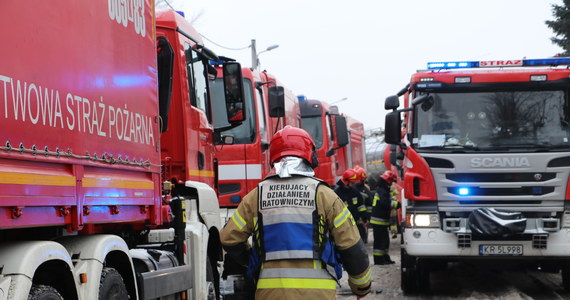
(253, 55)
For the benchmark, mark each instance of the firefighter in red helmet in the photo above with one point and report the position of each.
(367, 197)
(347, 191)
(299, 228)
(382, 205)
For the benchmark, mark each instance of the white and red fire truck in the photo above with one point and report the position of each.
(484, 164)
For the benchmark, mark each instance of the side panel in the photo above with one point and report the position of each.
(78, 105)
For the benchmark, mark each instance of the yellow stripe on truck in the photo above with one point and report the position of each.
(201, 173)
(36, 179)
(116, 183)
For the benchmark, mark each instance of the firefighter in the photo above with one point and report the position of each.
(300, 229)
(367, 196)
(382, 205)
(347, 191)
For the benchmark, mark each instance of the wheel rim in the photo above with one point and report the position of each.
(211, 290)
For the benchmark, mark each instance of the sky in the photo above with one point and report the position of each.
(367, 50)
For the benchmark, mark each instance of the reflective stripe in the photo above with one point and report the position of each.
(317, 264)
(376, 198)
(287, 218)
(361, 280)
(294, 273)
(354, 200)
(341, 218)
(240, 222)
(296, 283)
(289, 254)
(394, 204)
(362, 208)
(377, 252)
(379, 221)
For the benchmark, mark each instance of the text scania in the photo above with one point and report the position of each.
(28, 102)
(499, 162)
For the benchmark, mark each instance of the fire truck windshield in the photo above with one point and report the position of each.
(491, 121)
(245, 132)
(314, 126)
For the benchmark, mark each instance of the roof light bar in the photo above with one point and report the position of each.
(556, 61)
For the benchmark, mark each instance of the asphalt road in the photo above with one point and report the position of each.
(463, 281)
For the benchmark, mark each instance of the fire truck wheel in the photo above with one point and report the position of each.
(423, 274)
(211, 279)
(566, 275)
(43, 292)
(408, 273)
(111, 285)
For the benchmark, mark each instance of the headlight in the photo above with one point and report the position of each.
(423, 220)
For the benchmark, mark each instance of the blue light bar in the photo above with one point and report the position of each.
(453, 65)
(555, 61)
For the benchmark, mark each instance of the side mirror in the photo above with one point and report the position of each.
(341, 131)
(392, 102)
(276, 99)
(233, 90)
(392, 128)
(426, 102)
(264, 146)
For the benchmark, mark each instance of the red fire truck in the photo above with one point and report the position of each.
(329, 131)
(106, 169)
(242, 165)
(484, 165)
(354, 153)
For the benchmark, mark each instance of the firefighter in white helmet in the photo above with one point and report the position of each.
(301, 230)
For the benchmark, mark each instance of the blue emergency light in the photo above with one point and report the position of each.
(464, 191)
(555, 61)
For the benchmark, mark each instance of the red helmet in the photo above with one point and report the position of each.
(389, 176)
(292, 141)
(349, 176)
(360, 172)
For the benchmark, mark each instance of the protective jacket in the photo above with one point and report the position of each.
(382, 204)
(291, 220)
(367, 196)
(353, 200)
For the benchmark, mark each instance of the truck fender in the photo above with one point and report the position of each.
(197, 236)
(208, 206)
(22, 259)
(92, 251)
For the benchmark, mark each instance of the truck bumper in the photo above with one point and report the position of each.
(434, 242)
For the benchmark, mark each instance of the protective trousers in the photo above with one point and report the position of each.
(381, 243)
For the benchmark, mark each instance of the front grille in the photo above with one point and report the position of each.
(518, 191)
(229, 188)
(464, 240)
(500, 177)
(539, 241)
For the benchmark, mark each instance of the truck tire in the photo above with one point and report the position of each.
(212, 290)
(423, 275)
(112, 286)
(43, 292)
(408, 273)
(566, 275)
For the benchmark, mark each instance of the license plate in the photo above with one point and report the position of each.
(508, 250)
